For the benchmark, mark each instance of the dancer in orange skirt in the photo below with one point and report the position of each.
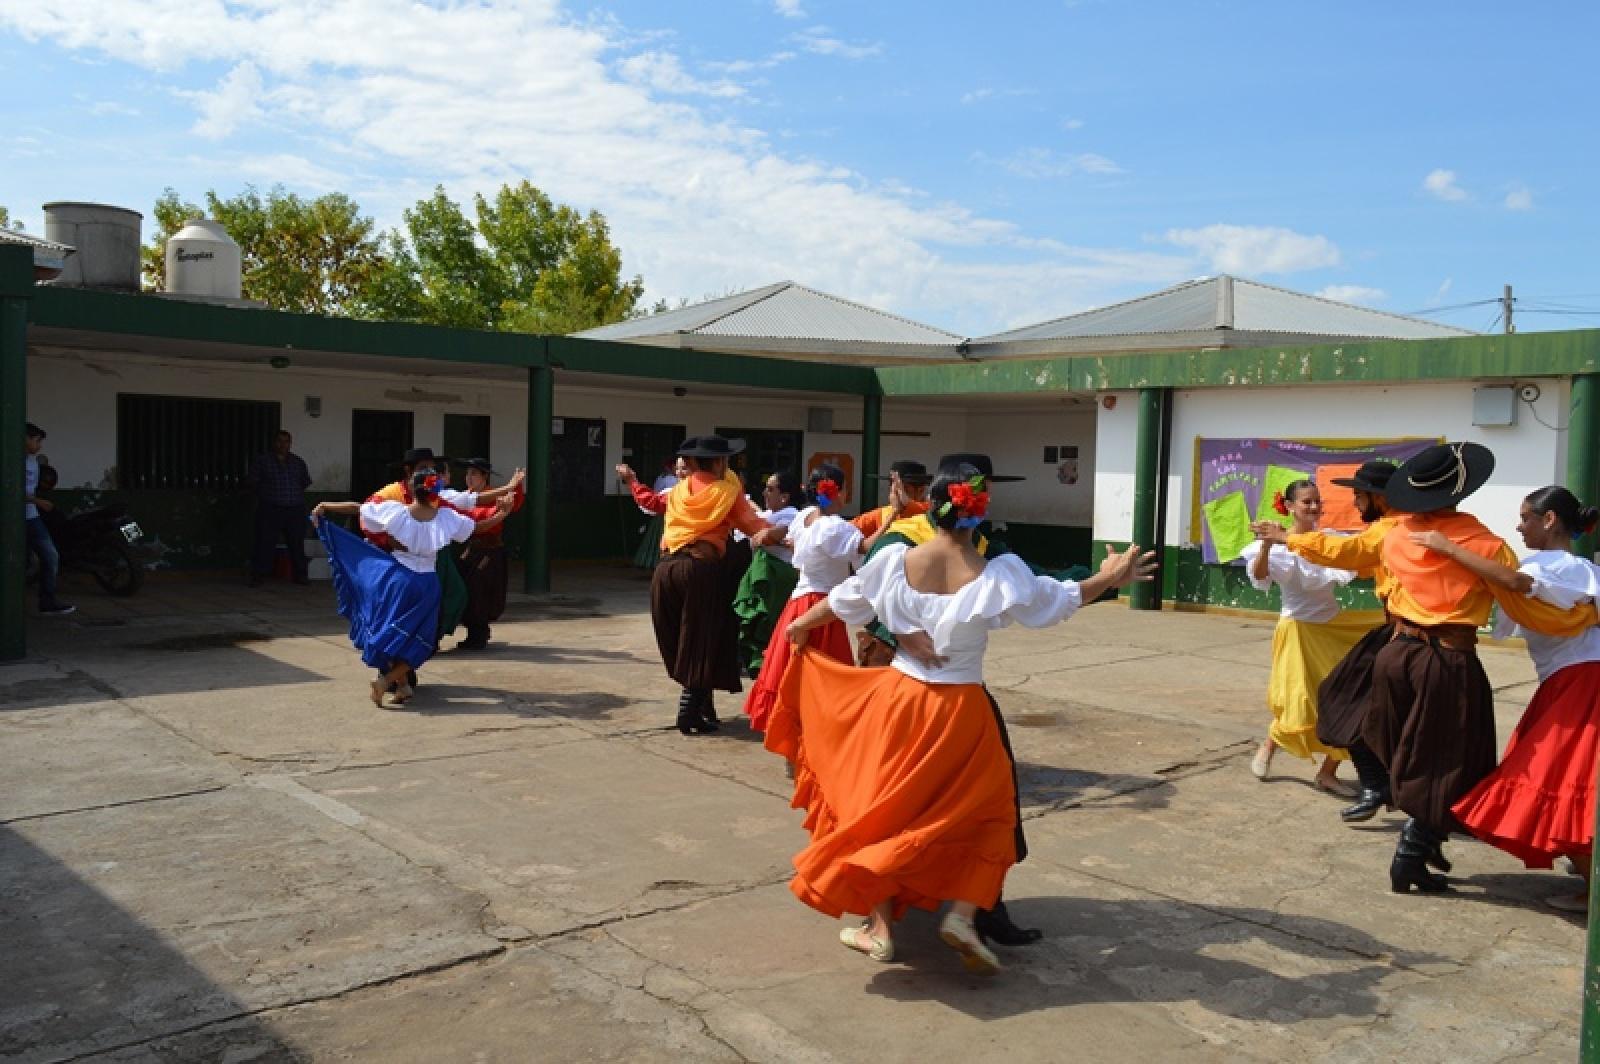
(825, 547)
(1539, 803)
(902, 773)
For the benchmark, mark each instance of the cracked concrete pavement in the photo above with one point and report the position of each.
(213, 847)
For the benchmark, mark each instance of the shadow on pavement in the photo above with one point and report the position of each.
(82, 975)
(1049, 786)
(1102, 951)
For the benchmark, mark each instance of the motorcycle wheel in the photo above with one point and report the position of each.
(116, 571)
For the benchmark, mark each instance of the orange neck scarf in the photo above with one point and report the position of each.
(1432, 580)
(692, 516)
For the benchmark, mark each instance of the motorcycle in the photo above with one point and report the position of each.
(100, 542)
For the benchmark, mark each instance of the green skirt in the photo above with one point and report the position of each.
(766, 586)
(650, 546)
(452, 589)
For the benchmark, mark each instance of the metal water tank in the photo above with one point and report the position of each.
(107, 239)
(203, 260)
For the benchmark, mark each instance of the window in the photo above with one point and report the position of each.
(466, 436)
(182, 444)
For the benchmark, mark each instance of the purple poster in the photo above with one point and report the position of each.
(1238, 480)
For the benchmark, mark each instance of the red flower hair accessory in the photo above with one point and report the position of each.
(826, 491)
(969, 500)
(1280, 504)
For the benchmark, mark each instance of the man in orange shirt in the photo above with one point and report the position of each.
(691, 593)
(908, 493)
(1431, 718)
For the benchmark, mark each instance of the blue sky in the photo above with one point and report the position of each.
(973, 166)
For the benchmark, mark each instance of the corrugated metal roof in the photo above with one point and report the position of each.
(48, 255)
(1229, 303)
(783, 311)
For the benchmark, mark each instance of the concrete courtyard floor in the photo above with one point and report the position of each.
(213, 847)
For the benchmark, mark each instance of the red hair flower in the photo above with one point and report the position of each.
(827, 487)
(1280, 504)
(969, 502)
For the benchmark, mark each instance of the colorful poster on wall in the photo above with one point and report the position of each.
(1238, 478)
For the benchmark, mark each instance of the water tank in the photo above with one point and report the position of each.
(107, 239)
(203, 260)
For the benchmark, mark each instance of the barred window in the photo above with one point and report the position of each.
(191, 444)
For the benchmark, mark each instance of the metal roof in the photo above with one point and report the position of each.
(49, 256)
(781, 312)
(1230, 304)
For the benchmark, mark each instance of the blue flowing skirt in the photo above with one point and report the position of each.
(393, 611)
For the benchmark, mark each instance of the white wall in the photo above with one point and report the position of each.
(1528, 454)
(1015, 441)
(74, 397)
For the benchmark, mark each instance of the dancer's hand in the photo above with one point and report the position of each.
(1270, 532)
(797, 635)
(1434, 540)
(918, 646)
(316, 514)
(1131, 566)
(626, 474)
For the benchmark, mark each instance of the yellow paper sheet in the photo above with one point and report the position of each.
(1228, 520)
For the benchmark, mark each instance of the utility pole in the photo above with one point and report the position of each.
(1505, 306)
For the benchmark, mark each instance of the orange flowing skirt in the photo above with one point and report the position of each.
(831, 639)
(906, 786)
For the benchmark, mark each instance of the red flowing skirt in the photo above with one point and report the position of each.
(1539, 804)
(831, 639)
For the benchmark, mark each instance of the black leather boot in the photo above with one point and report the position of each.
(995, 925)
(1365, 807)
(1410, 865)
(688, 712)
(708, 712)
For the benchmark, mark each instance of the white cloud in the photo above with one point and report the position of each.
(1442, 184)
(1353, 293)
(1442, 291)
(664, 72)
(745, 66)
(1249, 250)
(1520, 198)
(1070, 124)
(1045, 163)
(474, 95)
(819, 40)
(979, 95)
(235, 100)
(112, 107)
(789, 8)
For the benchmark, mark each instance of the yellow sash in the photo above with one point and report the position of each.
(692, 517)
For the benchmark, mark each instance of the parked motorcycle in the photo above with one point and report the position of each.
(99, 542)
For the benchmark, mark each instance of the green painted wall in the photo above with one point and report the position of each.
(1187, 579)
(1049, 546)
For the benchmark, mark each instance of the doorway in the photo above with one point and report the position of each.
(577, 458)
(767, 451)
(466, 436)
(649, 448)
(378, 440)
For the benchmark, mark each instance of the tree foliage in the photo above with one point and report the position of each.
(6, 222)
(527, 264)
(317, 256)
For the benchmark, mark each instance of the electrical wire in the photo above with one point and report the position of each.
(1453, 306)
(1493, 323)
(1535, 412)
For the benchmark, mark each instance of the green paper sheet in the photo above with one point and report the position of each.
(1228, 520)
(1277, 478)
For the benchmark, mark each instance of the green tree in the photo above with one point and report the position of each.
(316, 256)
(527, 264)
(6, 222)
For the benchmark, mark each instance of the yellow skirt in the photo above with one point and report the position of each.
(1303, 653)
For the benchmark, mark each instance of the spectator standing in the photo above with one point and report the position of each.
(280, 479)
(39, 541)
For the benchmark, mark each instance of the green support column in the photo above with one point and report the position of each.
(536, 545)
(871, 440)
(16, 288)
(1147, 461)
(1583, 479)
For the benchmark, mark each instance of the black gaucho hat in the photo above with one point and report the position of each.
(910, 473)
(420, 454)
(1372, 477)
(712, 446)
(481, 465)
(1439, 477)
(950, 463)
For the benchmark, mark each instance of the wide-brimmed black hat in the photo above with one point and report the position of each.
(419, 454)
(481, 465)
(1439, 477)
(980, 462)
(910, 472)
(712, 446)
(1372, 477)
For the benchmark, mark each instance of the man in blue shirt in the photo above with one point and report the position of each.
(280, 479)
(39, 541)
